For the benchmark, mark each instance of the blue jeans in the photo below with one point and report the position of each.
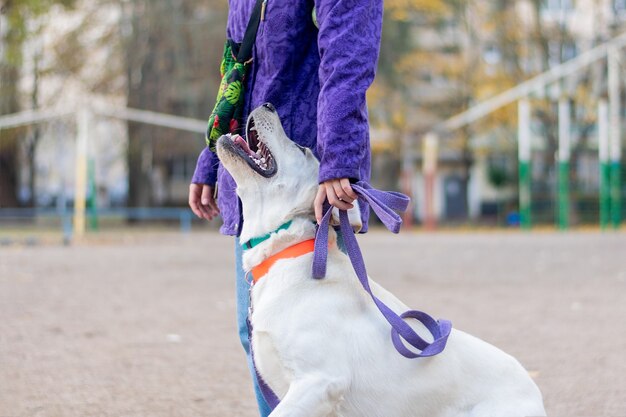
(243, 303)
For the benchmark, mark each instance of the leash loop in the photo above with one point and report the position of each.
(384, 204)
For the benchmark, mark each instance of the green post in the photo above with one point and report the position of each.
(605, 195)
(616, 194)
(564, 196)
(524, 151)
(564, 157)
(524, 194)
(615, 135)
(605, 168)
(92, 209)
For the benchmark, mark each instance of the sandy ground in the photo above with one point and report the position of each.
(144, 326)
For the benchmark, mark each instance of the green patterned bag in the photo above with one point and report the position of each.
(228, 111)
(226, 115)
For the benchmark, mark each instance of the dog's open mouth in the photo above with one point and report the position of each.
(255, 151)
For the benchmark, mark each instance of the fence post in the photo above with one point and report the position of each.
(564, 161)
(605, 168)
(429, 167)
(92, 195)
(616, 136)
(524, 150)
(185, 221)
(80, 180)
(407, 178)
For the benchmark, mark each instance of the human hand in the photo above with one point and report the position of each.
(202, 201)
(339, 193)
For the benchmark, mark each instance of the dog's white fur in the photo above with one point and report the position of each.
(323, 346)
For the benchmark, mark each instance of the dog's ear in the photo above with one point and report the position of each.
(354, 215)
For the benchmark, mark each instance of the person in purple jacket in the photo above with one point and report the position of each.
(313, 61)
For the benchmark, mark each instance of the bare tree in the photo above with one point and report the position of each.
(14, 18)
(173, 51)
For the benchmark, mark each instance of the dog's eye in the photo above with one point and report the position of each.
(302, 149)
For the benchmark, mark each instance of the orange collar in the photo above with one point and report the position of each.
(294, 251)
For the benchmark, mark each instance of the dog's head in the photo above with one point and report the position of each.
(276, 178)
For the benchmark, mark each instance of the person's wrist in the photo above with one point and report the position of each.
(202, 183)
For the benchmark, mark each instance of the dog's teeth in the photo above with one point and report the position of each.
(263, 160)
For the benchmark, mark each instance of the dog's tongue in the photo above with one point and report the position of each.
(238, 140)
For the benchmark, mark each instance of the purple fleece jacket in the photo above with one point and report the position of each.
(315, 78)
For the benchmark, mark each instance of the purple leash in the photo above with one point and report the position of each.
(270, 396)
(384, 204)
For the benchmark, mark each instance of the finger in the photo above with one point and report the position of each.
(318, 203)
(196, 211)
(206, 194)
(341, 193)
(213, 207)
(194, 200)
(334, 200)
(206, 212)
(211, 201)
(207, 202)
(347, 188)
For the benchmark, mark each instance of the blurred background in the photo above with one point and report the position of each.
(500, 113)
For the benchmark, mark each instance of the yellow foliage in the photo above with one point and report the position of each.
(434, 61)
(403, 9)
(375, 93)
(398, 117)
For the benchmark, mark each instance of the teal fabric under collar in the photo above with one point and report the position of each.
(258, 240)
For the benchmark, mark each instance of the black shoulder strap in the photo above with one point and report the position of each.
(245, 52)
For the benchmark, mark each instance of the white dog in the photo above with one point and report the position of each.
(322, 345)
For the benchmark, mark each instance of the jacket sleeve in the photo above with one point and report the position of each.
(349, 43)
(206, 168)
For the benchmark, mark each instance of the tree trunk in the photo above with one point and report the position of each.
(142, 94)
(9, 78)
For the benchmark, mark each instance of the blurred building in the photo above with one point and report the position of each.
(67, 67)
(487, 48)
(162, 56)
(151, 55)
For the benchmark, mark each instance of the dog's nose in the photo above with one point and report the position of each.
(270, 107)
